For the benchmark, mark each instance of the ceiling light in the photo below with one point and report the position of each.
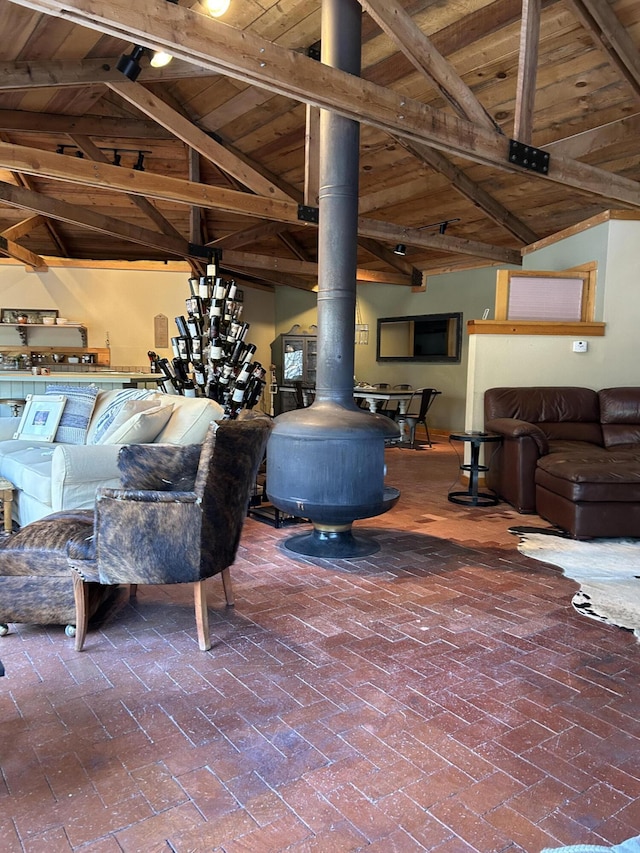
(217, 8)
(400, 249)
(139, 164)
(160, 59)
(116, 158)
(129, 64)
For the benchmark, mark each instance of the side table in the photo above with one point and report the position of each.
(473, 496)
(6, 496)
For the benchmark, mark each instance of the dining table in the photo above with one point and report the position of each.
(375, 396)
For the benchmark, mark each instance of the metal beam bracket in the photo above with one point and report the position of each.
(306, 213)
(534, 159)
(206, 252)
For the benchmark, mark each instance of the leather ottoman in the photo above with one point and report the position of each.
(592, 496)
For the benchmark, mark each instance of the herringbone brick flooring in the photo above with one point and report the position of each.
(441, 695)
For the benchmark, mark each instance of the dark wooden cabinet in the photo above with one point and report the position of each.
(294, 357)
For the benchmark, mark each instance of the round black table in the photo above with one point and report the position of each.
(473, 496)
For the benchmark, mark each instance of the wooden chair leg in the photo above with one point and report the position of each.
(81, 597)
(227, 586)
(202, 615)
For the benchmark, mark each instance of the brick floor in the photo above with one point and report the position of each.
(441, 695)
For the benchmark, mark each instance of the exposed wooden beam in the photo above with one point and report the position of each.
(262, 231)
(471, 191)
(94, 153)
(207, 43)
(88, 125)
(195, 138)
(416, 46)
(600, 21)
(297, 267)
(15, 232)
(527, 71)
(10, 249)
(23, 180)
(105, 176)
(62, 210)
(589, 141)
(87, 72)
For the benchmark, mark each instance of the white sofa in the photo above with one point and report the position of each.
(53, 476)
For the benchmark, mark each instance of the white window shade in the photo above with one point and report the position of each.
(539, 298)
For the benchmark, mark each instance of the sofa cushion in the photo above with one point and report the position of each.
(159, 467)
(620, 415)
(109, 405)
(562, 413)
(589, 478)
(28, 466)
(190, 419)
(138, 422)
(76, 415)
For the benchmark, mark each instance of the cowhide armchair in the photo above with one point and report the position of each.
(155, 534)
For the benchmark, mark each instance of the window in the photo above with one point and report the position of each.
(566, 296)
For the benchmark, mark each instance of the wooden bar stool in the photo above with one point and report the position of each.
(15, 404)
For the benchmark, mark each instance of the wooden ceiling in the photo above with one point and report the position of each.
(228, 131)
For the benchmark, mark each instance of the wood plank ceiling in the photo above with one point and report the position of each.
(227, 132)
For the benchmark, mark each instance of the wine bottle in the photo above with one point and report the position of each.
(181, 323)
(194, 327)
(189, 388)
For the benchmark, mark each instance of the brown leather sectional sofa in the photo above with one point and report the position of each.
(570, 454)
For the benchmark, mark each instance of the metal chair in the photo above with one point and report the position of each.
(427, 397)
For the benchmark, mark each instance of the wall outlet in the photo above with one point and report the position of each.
(580, 346)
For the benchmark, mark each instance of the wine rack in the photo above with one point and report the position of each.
(211, 355)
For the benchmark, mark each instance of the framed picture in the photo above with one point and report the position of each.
(41, 417)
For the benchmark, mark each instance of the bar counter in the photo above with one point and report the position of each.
(17, 384)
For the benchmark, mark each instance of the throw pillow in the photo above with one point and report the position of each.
(137, 425)
(74, 422)
(190, 421)
(159, 467)
(105, 415)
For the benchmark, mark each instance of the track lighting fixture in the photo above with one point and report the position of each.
(60, 149)
(160, 59)
(400, 249)
(116, 157)
(129, 64)
(139, 164)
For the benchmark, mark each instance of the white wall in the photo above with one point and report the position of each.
(505, 360)
(124, 302)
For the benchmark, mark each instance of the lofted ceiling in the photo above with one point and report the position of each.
(228, 132)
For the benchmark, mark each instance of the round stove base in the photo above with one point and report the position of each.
(332, 544)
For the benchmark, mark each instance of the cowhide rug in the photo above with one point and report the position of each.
(608, 571)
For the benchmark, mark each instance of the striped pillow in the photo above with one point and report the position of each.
(107, 416)
(80, 400)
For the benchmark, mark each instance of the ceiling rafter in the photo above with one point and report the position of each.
(104, 176)
(85, 145)
(20, 229)
(527, 71)
(600, 21)
(25, 181)
(197, 139)
(472, 191)
(11, 249)
(247, 57)
(77, 215)
(419, 50)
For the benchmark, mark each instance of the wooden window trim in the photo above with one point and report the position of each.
(586, 273)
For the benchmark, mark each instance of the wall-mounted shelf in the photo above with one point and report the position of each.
(24, 328)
